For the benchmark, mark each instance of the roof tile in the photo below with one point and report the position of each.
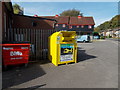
(71, 20)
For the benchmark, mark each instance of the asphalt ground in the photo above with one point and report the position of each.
(97, 67)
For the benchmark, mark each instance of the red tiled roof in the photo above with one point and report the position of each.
(72, 20)
(47, 22)
(50, 17)
(60, 19)
(48, 25)
(81, 21)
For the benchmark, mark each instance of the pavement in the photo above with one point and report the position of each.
(97, 67)
(114, 39)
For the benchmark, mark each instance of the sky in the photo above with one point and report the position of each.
(100, 11)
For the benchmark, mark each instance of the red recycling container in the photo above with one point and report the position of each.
(15, 53)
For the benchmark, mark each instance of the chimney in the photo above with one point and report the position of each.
(79, 16)
(35, 15)
(56, 15)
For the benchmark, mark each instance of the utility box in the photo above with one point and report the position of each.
(15, 53)
(62, 47)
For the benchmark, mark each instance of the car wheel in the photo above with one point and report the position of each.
(84, 41)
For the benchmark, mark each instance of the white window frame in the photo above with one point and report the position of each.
(89, 26)
(82, 26)
(70, 27)
(77, 26)
(63, 25)
(56, 25)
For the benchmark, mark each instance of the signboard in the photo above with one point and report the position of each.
(66, 52)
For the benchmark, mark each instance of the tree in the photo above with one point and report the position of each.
(95, 34)
(97, 29)
(71, 12)
(115, 22)
(111, 24)
(17, 9)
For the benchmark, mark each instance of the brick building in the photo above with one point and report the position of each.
(83, 25)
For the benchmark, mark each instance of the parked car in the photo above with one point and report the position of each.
(96, 37)
(83, 38)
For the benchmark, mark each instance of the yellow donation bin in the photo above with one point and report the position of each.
(62, 47)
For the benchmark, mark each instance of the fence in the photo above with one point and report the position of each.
(38, 39)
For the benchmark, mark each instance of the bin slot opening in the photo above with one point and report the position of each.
(68, 36)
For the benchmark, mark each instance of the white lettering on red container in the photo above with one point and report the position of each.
(16, 58)
(24, 47)
(16, 53)
(9, 48)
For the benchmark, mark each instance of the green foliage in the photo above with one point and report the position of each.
(109, 36)
(96, 33)
(102, 37)
(17, 9)
(113, 23)
(97, 29)
(71, 12)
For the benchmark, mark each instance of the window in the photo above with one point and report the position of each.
(77, 26)
(63, 25)
(53, 25)
(89, 26)
(34, 24)
(70, 27)
(56, 25)
(82, 26)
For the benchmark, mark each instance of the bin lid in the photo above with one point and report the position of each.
(9, 43)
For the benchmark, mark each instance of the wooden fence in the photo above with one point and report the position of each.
(38, 39)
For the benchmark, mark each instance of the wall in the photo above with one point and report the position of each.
(84, 30)
(7, 22)
(60, 27)
(1, 25)
(0, 46)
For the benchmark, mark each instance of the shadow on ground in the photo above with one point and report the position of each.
(33, 87)
(16, 75)
(82, 55)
